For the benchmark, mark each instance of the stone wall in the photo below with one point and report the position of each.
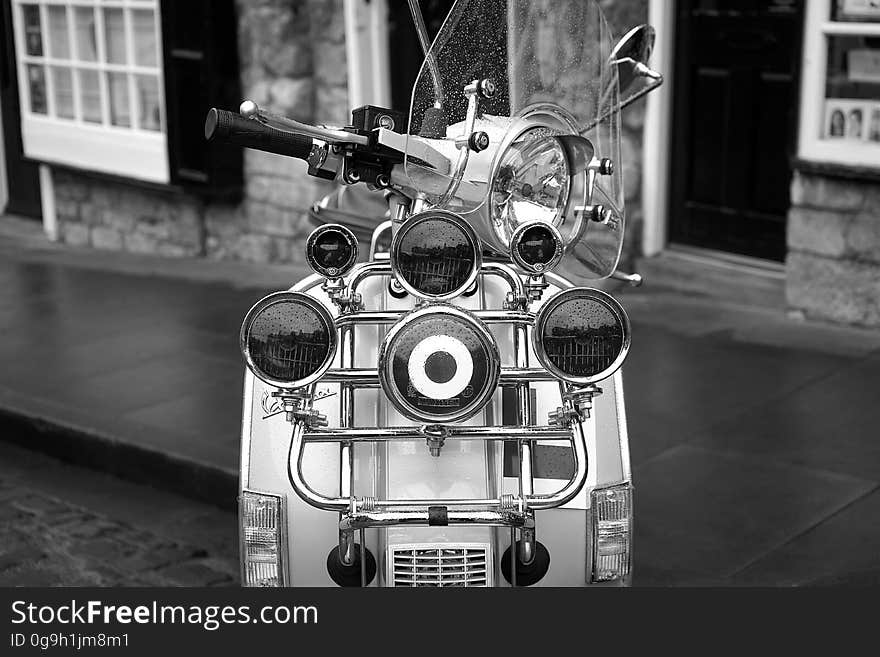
(833, 263)
(292, 55)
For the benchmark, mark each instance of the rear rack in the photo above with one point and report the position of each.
(360, 513)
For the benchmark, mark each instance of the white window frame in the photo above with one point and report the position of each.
(818, 26)
(123, 151)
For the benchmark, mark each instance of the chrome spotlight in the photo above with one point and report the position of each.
(288, 339)
(436, 255)
(582, 335)
(331, 250)
(439, 364)
(536, 247)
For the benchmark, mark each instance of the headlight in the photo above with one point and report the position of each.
(582, 335)
(439, 364)
(331, 250)
(536, 247)
(436, 255)
(531, 182)
(288, 339)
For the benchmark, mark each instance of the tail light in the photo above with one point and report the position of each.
(611, 528)
(262, 539)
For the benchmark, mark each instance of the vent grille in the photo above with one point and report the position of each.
(441, 565)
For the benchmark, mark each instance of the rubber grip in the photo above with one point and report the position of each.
(233, 128)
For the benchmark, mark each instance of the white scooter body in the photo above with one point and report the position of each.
(464, 469)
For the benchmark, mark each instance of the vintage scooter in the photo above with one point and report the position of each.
(450, 412)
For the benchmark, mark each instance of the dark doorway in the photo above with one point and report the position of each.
(734, 125)
(22, 176)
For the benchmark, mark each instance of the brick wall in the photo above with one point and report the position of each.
(833, 263)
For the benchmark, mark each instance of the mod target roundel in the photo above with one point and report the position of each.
(439, 364)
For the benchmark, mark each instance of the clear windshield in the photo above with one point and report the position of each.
(550, 54)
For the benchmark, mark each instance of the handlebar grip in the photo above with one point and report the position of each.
(233, 128)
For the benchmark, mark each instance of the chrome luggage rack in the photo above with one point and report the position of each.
(512, 511)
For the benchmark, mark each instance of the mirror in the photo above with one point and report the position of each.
(631, 55)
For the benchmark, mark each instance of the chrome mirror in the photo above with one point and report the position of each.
(631, 55)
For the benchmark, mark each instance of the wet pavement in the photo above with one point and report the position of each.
(754, 437)
(61, 525)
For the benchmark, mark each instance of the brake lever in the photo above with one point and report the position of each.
(250, 110)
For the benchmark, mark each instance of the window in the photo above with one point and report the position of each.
(840, 120)
(91, 85)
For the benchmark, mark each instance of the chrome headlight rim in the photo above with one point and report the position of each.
(546, 312)
(538, 268)
(536, 116)
(459, 222)
(350, 240)
(486, 340)
(281, 297)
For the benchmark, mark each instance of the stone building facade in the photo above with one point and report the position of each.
(292, 60)
(833, 263)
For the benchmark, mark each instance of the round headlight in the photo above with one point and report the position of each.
(288, 339)
(536, 247)
(531, 184)
(331, 250)
(582, 335)
(436, 255)
(439, 364)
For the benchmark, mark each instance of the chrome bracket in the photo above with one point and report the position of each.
(335, 288)
(535, 286)
(469, 140)
(435, 437)
(576, 406)
(296, 406)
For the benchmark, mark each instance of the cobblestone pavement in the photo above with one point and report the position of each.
(61, 525)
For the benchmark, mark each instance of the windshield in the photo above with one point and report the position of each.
(549, 61)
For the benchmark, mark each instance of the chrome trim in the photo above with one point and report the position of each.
(323, 315)
(418, 515)
(601, 297)
(462, 225)
(533, 502)
(377, 233)
(394, 434)
(451, 564)
(540, 115)
(622, 431)
(246, 431)
(369, 378)
(350, 239)
(539, 268)
(487, 342)
(394, 316)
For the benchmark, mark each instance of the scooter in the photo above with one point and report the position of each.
(449, 410)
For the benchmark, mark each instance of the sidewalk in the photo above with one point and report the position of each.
(754, 438)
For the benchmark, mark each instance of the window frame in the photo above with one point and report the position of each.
(130, 152)
(818, 27)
